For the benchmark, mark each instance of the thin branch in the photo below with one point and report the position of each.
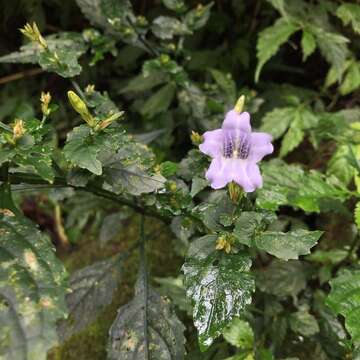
(20, 75)
(144, 275)
(20, 178)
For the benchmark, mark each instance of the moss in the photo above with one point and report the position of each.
(91, 343)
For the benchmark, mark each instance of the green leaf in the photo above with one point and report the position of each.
(92, 288)
(70, 42)
(149, 314)
(350, 14)
(277, 121)
(333, 47)
(340, 166)
(282, 278)
(239, 334)
(344, 299)
(250, 229)
(143, 83)
(166, 27)
(197, 185)
(197, 18)
(219, 285)
(271, 39)
(279, 5)
(351, 81)
(32, 290)
(290, 185)
(308, 44)
(82, 149)
(175, 5)
(357, 215)
(304, 323)
(111, 226)
(226, 84)
(292, 139)
(158, 102)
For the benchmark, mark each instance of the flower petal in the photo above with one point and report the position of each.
(260, 146)
(219, 172)
(212, 144)
(247, 175)
(236, 121)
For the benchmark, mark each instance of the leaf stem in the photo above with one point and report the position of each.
(19, 177)
(144, 274)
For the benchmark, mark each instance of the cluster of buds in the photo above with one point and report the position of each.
(224, 242)
(32, 32)
(45, 99)
(81, 108)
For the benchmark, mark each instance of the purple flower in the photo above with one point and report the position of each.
(235, 151)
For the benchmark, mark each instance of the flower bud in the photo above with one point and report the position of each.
(18, 129)
(223, 243)
(45, 99)
(80, 107)
(235, 192)
(196, 138)
(240, 104)
(32, 32)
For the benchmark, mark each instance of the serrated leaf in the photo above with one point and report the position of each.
(166, 27)
(151, 314)
(357, 215)
(350, 14)
(226, 84)
(277, 121)
(197, 18)
(219, 285)
(159, 101)
(333, 47)
(340, 166)
(290, 185)
(82, 149)
(270, 40)
(67, 41)
(91, 289)
(32, 289)
(304, 323)
(291, 140)
(282, 278)
(344, 299)
(250, 229)
(239, 334)
(351, 80)
(308, 44)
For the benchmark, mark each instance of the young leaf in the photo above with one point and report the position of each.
(271, 39)
(82, 149)
(32, 290)
(240, 334)
(350, 14)
(344, 299)
(92, 288)
(165, 27)
(308, 44)
(219, 285)
(197, 18)
(147, 315)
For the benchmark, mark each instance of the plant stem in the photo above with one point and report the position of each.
(18, 178)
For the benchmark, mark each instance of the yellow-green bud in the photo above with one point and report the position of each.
(223, 243)
(80, 107)
(32, 32)
(45, 99)
(18, 129)
(196, 138)
(240, 104)
(235, 192)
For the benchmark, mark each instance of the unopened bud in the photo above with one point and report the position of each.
(196, 138)
(223, 243)
(32, 32)
(45, 99)
(235, 192)
(240, 104)
(18, 129)
(80, 107)
(90, 89)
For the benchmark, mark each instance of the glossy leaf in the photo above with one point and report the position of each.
(219, 285)
(344, 299)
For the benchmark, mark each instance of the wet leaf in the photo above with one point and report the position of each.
(219, 285)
